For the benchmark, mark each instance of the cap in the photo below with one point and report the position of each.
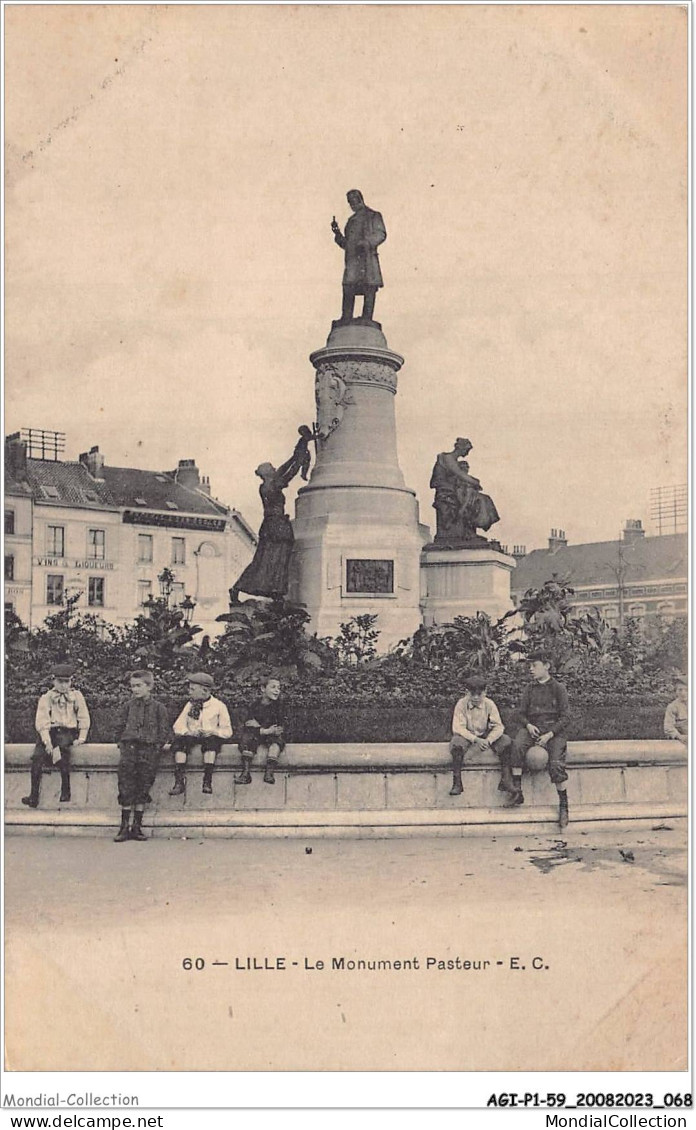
(63, 670)
(201, 678)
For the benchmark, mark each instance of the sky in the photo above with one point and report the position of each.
(171, 177)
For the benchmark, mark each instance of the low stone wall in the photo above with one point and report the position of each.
(359, 789)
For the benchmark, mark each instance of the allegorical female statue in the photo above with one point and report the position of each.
(460, 504)
(267, 575)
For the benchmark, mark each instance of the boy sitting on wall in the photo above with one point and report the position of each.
(62, 722)
(544, 712)
(204, 721)
(263, 730)
(676, 723)
(476, 724)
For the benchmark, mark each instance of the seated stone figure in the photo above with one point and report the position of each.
(461, 506)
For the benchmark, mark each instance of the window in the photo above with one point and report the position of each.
(144, 591)
(178, 551)
(96, 544)
(55, 541)
(95, 594)
(9, 521)
(54, 589)
(178, 593)
(145, 547)
(9, 567)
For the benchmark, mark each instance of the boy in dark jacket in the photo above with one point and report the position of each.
(141, 731)
(263, 729)
(544, 713)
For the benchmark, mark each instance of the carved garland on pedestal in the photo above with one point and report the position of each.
(332, 390)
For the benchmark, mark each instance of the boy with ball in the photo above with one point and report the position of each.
(544, 713)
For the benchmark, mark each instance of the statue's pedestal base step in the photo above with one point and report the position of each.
(462, 582)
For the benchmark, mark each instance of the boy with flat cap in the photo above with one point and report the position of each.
(62, 722)
(204, 721)
(141, 731)
(476, 724)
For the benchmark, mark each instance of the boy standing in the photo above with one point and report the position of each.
(544, 712)
(676, 724)
(62, 722)
(476, 723)
(263, 729)
(204, 721)
(141, 731)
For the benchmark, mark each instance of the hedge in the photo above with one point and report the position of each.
(630, 719)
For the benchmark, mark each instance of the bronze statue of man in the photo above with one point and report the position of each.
(364, 232)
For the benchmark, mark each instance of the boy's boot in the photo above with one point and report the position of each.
(563, 810)
(269, 776)
(506, 784)
(179, 785)
(515, 796)
(137, 829)
(64, 783)
(207, 778)
(457, 788)
(33, 799)
(244, 777)
(123, 833)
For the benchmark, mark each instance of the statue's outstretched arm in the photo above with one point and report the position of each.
(287, 471)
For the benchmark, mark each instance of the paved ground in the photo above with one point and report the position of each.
(97, 934)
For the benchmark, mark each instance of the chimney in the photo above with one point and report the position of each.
(93, 460)
(633, 531)
(187, 474)
(557, 540)
(519, 551)
(205, 485)
(16, 457)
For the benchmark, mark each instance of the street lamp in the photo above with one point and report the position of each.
(187, 606)
(166, 584)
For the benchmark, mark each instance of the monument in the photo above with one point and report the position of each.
(463, 572)
(358, 539)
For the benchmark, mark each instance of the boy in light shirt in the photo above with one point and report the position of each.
(62, 722)
(676, 723)
(204, 721)
(476, 724)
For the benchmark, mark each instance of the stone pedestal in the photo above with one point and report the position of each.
(462, 582)
(357, 535)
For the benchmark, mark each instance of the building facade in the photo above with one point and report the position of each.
(106, 533)
(634, 577)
